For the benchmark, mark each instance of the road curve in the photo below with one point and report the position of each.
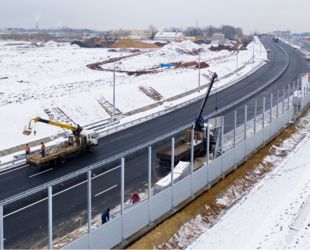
(69, 204)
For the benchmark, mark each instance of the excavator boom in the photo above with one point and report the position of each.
(199, 120)
(75, 129)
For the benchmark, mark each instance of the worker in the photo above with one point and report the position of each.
(134, 198)
(42, 149)
(105, 217)
(27, 150)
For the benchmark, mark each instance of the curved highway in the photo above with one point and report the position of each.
(21, 225)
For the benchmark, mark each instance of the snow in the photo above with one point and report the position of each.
(52, 80)
(275, 214)
(179, 171)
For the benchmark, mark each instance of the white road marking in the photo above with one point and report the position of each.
(9, 171)
(47, 170)
(62, 191)
(104, 191)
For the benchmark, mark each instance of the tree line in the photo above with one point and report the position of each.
(229, 31)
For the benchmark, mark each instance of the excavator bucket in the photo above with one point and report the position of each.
(27, 131)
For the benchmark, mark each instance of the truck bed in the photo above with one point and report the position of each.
(182, 152)
(52, 155)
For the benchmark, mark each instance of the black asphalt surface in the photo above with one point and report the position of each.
(24, 228)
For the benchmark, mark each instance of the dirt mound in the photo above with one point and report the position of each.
(193, 52)
(129, 43)
(220, 47)
(191, 64)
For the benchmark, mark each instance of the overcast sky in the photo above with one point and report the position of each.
(251, 15)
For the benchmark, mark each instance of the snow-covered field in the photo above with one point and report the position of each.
(275, 214)
(54, 82)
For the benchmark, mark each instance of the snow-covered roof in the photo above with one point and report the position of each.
(168, 35)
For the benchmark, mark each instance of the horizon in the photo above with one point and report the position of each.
(258, 16)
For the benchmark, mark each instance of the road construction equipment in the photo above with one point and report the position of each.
(183, 146)
(79, 142)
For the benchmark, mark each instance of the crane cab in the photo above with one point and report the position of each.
(91, 137)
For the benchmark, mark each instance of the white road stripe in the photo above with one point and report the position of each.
(9, 171)
(104, 191)
(47, 170)
(60, 192)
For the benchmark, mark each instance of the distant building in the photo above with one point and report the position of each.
(218, 37)
(139, 34)
(169, 36)
(131, 34)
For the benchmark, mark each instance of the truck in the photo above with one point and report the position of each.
(182, 150)
(80, 141)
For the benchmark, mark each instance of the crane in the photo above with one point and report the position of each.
(81, 141)
(199, 121)
(76, 130)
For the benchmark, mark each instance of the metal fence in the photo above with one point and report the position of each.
(268, 117)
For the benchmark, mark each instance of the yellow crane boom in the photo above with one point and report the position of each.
(75, 129)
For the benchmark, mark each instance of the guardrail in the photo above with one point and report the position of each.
(133, 219)
(178, 193)
(107, 129)
(132, 150)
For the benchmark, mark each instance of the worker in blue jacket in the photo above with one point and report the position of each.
(105, 216)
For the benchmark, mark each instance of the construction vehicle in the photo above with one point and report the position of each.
(79, 142)
(183, 146)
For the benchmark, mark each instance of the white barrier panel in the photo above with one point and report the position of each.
(291, 113)
(283, 120)
(214, 169)
(266, 132)
(108, 235)
(259, 138)
(182, 190)
(135, 218)
(239, 152)
(200, 178)
(161, 203)
(275, 126)
(80, 243)
(228, 160)
(250, 145)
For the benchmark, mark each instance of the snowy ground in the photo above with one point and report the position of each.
(275, 214)
(52, 80)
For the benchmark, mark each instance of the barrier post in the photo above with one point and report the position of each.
(172, 172)
(122, 196)
(1, 228)
(235, 127)
(192, 158)
(50, 218)
(222, 146)
(278, 100)
(89, 207)
(271, 101)
(208, 153)
(150, 181)
(263, 122)
(245, 129)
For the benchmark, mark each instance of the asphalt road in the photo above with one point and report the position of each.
(29, 225)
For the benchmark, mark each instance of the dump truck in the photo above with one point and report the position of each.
(80, 141)
(182, 149)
